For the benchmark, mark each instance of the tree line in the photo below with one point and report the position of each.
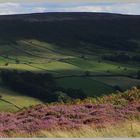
(122, 57)
(38, 85)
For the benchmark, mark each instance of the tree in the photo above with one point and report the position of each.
(83, 56)
(125, 69)
(108, 71)
(6, 64)
(62, 97)
(117, 88)
(17, 61)
(87, 73)
(76, 93)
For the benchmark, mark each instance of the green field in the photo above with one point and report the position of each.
(15, 99)
(40, 56)
(91, 87)
(123, 82)
(96, 67)
(65, 64)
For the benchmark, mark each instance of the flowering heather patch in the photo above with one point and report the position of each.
(65, 116)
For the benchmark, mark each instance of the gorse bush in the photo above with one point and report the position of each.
(123, 98)
(132, 95)
(120, 98)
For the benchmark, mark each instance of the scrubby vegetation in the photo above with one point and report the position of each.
(95, 114)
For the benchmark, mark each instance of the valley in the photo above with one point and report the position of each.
(80, 50)
(71, 68)
(76, 72)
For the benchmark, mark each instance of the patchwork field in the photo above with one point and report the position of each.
(78, 69)
(91, 87)
(123, 82)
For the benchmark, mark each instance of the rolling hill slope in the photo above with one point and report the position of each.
(73, 29)
(71, 46)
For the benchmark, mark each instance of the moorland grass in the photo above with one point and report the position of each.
(127, 130)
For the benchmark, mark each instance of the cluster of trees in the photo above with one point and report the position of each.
(41, 86)
(122, 57)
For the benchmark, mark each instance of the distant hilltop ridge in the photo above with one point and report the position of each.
(104, 30)
(61, 16)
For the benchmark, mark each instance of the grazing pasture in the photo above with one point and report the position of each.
(122, 82)
(15, 99)
(91, 87)
(68, 65)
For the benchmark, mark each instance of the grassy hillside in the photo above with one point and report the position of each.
(11, 101)
(71, 46)
(66, 65)
(91, 87)
(123, 82)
